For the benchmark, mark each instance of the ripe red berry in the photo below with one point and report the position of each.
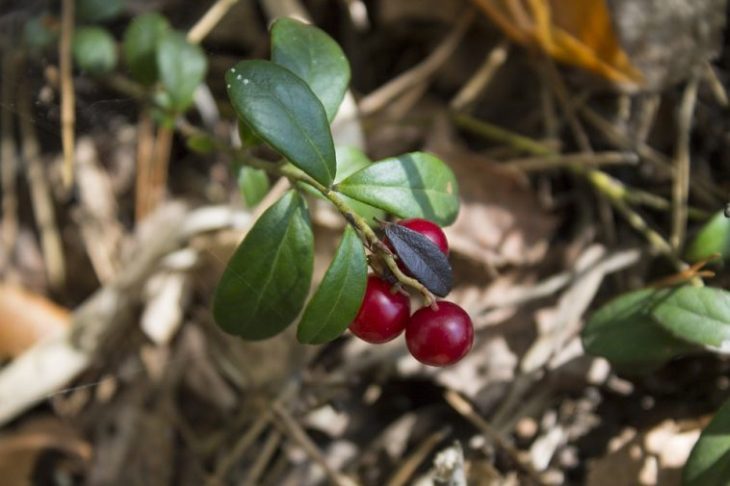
(430, 230)
(383, 314)
(440, 337)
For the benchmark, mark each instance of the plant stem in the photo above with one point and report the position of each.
(285, 169)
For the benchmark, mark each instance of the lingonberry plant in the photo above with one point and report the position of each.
(288, 103)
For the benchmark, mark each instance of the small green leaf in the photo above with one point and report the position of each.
(415, 185)
(623, 332)
(267, 279)
(253, 184)
(699, 315)
(709, 461)
(140, 46)
(182, 68)
(713, 237)
(337, 300)
(93, 11)
(40, 32)
(315, 57)
(281, 109)
(94, 50)
(200, 143)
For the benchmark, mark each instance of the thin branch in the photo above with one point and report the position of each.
(40, 193)
(209, 20)
(424, 70)
(680, 188)
(68, 102)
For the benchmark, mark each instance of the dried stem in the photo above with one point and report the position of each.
(9, 168)
(209, 20)
(680, 188)
(68, 101)
(40, 193)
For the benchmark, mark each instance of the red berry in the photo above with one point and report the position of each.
(440, 337)
(383, 314)
(430, 230)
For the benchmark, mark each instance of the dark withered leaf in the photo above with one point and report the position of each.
(422, 258)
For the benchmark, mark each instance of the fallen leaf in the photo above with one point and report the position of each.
(26, 318)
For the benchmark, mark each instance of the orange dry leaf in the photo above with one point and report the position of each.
(26, 318)
(577, 32)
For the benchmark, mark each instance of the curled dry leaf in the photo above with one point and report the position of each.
(26, 318)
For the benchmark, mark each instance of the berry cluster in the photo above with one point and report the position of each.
(437, 336)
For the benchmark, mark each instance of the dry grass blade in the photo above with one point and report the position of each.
(9, 167)
(469, 93)
(291, 427)
(680, 189)
(465, 409)
(40, 193)
(68, 97)
(209, 20)
(424, 70)
(410, 464)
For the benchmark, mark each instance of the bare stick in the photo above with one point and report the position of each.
(424, 70)
(8, 153)
(563, 161)
(68, 101)
(292, 428)
(209, 20)
(267, 451)
(680, 188)
(465, 409)
(145, 151)
(476, 84)
(410, 464)
(40, 193)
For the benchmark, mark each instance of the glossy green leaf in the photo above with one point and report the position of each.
(709, 461)
(140, 46)
(337, 300)
(315, 57)
(281, 109)
(182, 68)
(699, 315)
(349, 161)
(713, 237)
(415, 185)
(247, 136)
(267, 279)
(254, 185)
(94, 50)
(93, 11)
(623, 332)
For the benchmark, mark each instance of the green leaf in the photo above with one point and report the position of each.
(315, 57)
(182, 67)
(247, 136)
(93, 11)
(337, 300)
(349, 161)
(94, 50)
(713, 237)
(699, 315)
(415, 185)
(201, 143)
(267, 279)
(709, 461)
(253, 184)
(40, 32)
(140, 46)
(623, 332)
(281, 109)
